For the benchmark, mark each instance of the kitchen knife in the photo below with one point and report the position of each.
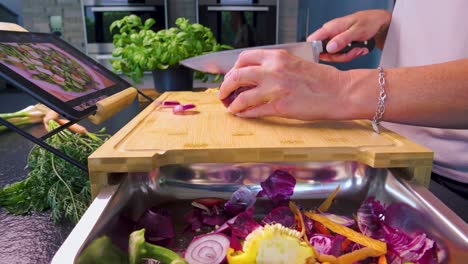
(222, 61)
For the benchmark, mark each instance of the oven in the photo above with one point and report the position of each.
(241, 23)
(98, 15)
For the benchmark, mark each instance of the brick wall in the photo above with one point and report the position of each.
(36, 15)
(288, 10)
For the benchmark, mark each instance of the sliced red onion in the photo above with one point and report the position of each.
(339, 219)
(244, 224)
(234, 243)
(182, 108)
(281, 215)
(278, 187)
(240, 200)
(210, 248)
(233, 95)
(337, 242)
(322, 243)
(159, 226)
(210, 201)
(194, 219)
(170, 103)
(214, 219)
(226, 224)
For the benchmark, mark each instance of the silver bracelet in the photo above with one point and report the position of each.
(380, 103)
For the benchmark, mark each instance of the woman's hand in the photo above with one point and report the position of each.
(284, 85)
(359, 26)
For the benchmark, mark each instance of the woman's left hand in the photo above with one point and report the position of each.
(286, 86)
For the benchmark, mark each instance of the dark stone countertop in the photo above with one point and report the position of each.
(35, 238)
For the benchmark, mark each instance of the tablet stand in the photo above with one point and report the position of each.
(106, 108)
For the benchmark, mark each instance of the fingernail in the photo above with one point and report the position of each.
(364, 52)
(331, 47)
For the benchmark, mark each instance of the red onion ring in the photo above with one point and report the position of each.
(182, 108)
(170, 103)
(207, 249)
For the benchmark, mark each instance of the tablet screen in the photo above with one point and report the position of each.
(53, 66)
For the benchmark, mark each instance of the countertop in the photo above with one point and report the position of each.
(35, 238)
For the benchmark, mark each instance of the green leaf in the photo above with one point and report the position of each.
(139, 57)
(138, 73)
(134, 19)
(162, 66)
(147, 40)
(116, 65)
(151, 64)
(117, 52)
(181, 35)
(198, 27)
(149, 23)
(113, 25)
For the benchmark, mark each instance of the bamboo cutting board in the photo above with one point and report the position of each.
(210, 134)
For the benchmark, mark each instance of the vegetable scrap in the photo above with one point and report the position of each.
(177, 107)
(51, 182)
(38, 113)
(27, 116)
(228, 231)
(170, 103)
(233, 95)
(209, 248)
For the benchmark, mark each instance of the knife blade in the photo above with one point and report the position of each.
(223, 61)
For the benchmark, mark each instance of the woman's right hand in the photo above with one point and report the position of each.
(359, 26)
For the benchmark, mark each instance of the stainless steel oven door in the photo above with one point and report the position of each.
(241, 26)
(99, 15)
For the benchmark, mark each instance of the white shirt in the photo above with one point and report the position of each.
(427, 32)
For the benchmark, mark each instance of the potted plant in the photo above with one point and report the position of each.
(138, 49)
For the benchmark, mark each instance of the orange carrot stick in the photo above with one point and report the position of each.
(382, 260)
(345, 244)
(76, 128)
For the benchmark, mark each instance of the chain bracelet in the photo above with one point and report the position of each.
(380, 110)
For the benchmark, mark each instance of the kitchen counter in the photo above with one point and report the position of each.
(35, 238)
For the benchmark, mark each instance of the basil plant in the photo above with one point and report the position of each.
(137, 48)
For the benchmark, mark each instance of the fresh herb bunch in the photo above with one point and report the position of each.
(52, 183)
(138, 48)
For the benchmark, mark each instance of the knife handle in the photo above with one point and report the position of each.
(369, 44)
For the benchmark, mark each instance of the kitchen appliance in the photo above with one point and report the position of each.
(241, 23)
(222, 62)
(98, 15)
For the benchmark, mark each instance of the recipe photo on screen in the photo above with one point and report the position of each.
(52, 69)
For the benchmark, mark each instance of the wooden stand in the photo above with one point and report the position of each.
(157, 137)
(111, 105)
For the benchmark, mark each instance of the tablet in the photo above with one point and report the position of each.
(55, 73)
